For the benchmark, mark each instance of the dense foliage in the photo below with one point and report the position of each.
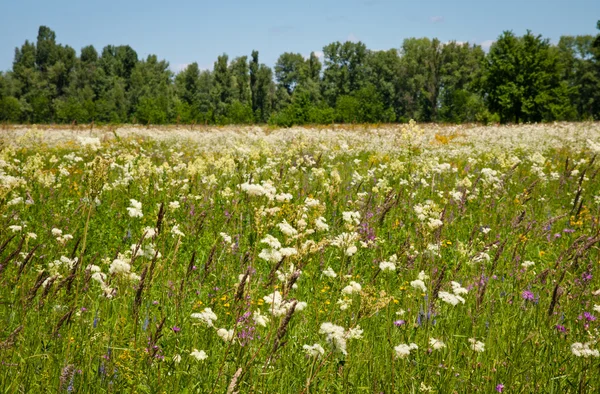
(396, 259)
(521, 79)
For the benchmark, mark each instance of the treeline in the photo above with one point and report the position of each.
(520, 79)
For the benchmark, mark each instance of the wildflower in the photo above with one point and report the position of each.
(15, 201)
(387, 266)
(335, 336)
(15, 228)
(587, 316)
(315, 350)
(281, 197)
(596, 308)
(287, 229)
(197, 354)
(259, 319)
(176, 231)
(226, 238)
(279, 306)
(344, 304)
(527, 295)
(457, 289)
(174, 205)
(450, 298)
(436, 344)
(353, 287)
(135, 210)
(422, 276)
(351, 250)
(527, 264)
(583, 350)
(354, 333)
(320, 224)
(287, 252)
(418, 284)
(56, 232)
(403, 350)
(176, 329)
(399, 323)
(149, 232)
(271, 255)
(207, 316)
(119, 266)
(351, 217)
(499, 387)
(329, 272)
(434, 223)
(476, 345)
(177, 358)
(225, 334)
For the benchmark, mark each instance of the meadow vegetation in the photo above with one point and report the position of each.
(400, 258)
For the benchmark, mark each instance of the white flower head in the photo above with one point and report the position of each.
(259, 319)
(197, 354)
(135, 210)
(450, 298)
(353, 287)
(476, 345)
(403, 350)
(583, 350)
(315, 350)
(418, 284)
(207, 316)
(225, 334)
(329, 272)
(436, 344)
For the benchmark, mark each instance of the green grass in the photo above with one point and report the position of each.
(67, 335)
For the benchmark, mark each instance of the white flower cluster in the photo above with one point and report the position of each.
(583, 350)
(337, 335)
(275, 252)
(403, 350)
(279, 306)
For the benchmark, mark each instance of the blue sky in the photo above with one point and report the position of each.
(185, 31)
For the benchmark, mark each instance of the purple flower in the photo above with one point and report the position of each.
(586, 276)
(176, 329)
(560, 328)
(527, 295)
(399, 323)
(499, 387)
(587, 316)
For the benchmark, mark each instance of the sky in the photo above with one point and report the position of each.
(187, 31)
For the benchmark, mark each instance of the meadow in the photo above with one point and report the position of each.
(377, 259)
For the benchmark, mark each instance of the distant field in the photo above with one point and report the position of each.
(400, 258)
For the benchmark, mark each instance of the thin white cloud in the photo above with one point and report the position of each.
(436, 19)
(352, 38)
(487, 44)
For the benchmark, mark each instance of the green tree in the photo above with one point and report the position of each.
(522, 80)
(151, 92)
(345, 69)
(289, 69)
(460, 83)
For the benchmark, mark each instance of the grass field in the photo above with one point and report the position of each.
(310, 260)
